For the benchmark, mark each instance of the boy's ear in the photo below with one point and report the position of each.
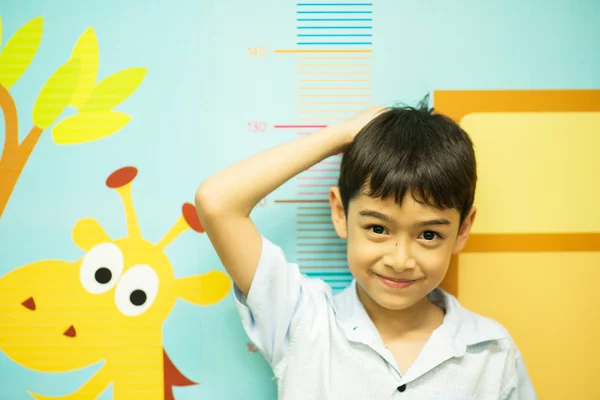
(464, 231)
(337, 212)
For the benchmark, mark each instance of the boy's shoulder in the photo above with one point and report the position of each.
(469, 327)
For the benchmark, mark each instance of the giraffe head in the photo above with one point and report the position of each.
(58, 315)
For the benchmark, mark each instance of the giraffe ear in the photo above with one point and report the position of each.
(87, 233)
(204, 289)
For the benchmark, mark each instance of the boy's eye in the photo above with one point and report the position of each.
(377, 229)
(429, 235)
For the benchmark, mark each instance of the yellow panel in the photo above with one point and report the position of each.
(550, 303)
(539, 172)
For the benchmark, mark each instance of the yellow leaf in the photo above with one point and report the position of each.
(56, 94)
(87, 127)
(19, 52)
(86, 49)
(114, 89)
(0, 31)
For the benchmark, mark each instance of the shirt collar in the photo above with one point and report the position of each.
(460, 327)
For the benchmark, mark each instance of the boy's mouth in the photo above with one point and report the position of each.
(395, 282)
(395, 279)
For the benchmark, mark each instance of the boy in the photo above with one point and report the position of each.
(404, 204)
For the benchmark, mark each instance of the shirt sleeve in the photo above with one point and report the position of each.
(519, 386)
(278, 297)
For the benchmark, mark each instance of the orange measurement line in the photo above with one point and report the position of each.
(323, 51)
(335, 95)
(335, 102)
(323, 119)
(335, 58)
(334, 80)
(329, 111)
(339, 88)
(334, 65)
(336, 73)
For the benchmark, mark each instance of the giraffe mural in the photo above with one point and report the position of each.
(108, 306)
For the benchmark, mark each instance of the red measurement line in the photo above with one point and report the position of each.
(302, 201)
(298, 126)
(322, 51)
(330, 229)
(323, 170)
(320, 244)
(314, 185)
(321, 252)
(317, 177)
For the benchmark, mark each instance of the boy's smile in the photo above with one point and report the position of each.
(395, 283)
(398, 255)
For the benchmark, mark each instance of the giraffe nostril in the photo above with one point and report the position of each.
(29, 303)
(70, 332)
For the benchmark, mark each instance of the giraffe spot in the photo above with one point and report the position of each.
(70, 332)
(29, 303)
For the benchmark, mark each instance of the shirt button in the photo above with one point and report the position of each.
(402, 388)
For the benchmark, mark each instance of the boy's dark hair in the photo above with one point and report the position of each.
(411, 150)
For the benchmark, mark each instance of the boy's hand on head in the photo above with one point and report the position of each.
(351, 127)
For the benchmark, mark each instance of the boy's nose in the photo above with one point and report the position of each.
(401, 258)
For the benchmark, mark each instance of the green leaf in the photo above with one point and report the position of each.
(86, 49)
(20, 51)
(114, 89)
(56, 94)
(90, 126)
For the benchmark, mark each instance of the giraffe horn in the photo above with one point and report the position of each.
(188, 219)
(120, 180)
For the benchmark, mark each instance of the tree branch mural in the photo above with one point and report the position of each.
(72, 84)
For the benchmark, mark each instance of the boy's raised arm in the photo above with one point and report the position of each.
(224, 200)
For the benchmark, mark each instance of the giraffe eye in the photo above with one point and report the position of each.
(137, 290)
(101, 267)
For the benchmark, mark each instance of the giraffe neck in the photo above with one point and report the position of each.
(138, 373)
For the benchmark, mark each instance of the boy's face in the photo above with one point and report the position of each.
(398, 255)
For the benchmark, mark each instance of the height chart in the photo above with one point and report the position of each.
(333, 53)
(112, 114)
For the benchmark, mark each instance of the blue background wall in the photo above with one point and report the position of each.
(190, 119)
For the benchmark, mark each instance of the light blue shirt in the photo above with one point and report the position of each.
(323, 346)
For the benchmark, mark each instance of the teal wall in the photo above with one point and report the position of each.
(190, 119)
